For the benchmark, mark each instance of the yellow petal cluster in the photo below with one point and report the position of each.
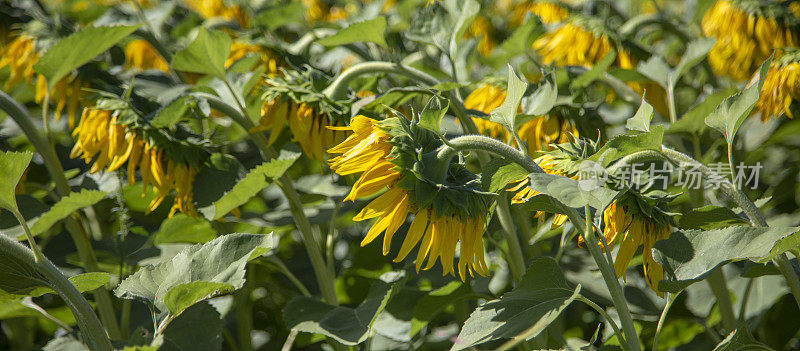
(218, 8)
(631, 229)
(106, 145)
(20, 56)
(744, 40)
(268, 59)
(523, 192)
(572, 45)
(141, 55)
(67, 94)
(309, 128)
(548, 12)
(482, 27)
(319, 11)
(485, 99)
(781, 89)
(367, 151)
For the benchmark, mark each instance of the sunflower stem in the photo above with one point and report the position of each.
(608, 319)
(338, 88)
(670, 299)
(716, 280)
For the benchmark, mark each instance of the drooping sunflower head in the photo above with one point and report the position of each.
(747, 31)
(549, 12)
(633, 220)
(218, 9)
(110, 136)
(140, 54)
(580, 41)
(295, 99)
(482, 27)
(19, 55)
(448, 218)
(781, 90)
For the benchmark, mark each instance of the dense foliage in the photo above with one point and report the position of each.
(399, 174)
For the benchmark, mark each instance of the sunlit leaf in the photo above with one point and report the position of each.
(12, 167)
(641, 120)
(206, 54)
(367, 31)
(66, 206)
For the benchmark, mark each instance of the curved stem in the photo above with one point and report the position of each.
(493, 146)
(73, 223)
(716, 280)
(608, 319)
(338, 88)
(670, 299)
(312, 244)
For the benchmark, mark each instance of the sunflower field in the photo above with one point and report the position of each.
(399, 175)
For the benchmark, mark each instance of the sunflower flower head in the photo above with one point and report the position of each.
(549, 12)
(108, 138)
(218, 9)
(747, 31)
(141, 55)
(322, 11)
(486, 98)
(781, 90)
(580, 41)
(19, 56)
(632, 221)
(448, 218)
(483, 28)
(294, 99)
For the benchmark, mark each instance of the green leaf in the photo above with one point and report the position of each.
(221, 260)
(688, 256)
(174, 112)
(183, 296)
(256, 180)
(206, 54)
(372, 31)
(498, 173)
(571, 192)
(741, 340)
(280, 15)
(507, 112)
(184, 229)
(695, 53)
(18, 273)
(436, 301)
(83, 282)
(730, 114)
(66, 206)
(431, 116)
(595, 72)
(199, 328)
(349, 326)
(522, 313)
(77, 49)
(710, 217)
(656, 69)
(641, 120)
(626, 144)
(520, 39)
(462, 13)
(542, 100)
(693, 122)
(12, 167)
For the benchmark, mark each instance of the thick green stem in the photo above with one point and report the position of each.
(73, 223)
(338, 89)
(516, 259)
(608, 319)
(716, 280)
(670, 299)
(673, 115)
(312, 244)
(88, 323)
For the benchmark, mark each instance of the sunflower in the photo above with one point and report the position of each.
(218, 8)
(141, 55)
(482, 27)
(523, 192)
(548, 12)
(538, 133)
(626, 224)
(781, 87)
(309, 128)
(20, 55)
(108, 145)
(320, 11)
(747, 32)
(438, 225)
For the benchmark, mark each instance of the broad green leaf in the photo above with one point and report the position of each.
(731, 112)
(656, 69)
(184, 229)
(626, 144)
(349, 326)
(710, 217)
(498, 173)
(695, 53)
(77, 49)
(66, 206)
(741, 340)
(688, 256)
(693, 122)
(12, 167)
(507, 112)
(462, 12)
(221, 260)
(571, 192)
(206, 54)
(436, 301)
(65, 343)
(372, 31)
(431, 116)
(542, 100)
(524, 312)
(18, 274)
(183, 296)
(279, 15)
(595, 72)
(83, 282)
(199, 328)
(256, 180)
(174, 112)
(641, 120)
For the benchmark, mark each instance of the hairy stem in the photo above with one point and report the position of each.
(608, 319)
(338, 89)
